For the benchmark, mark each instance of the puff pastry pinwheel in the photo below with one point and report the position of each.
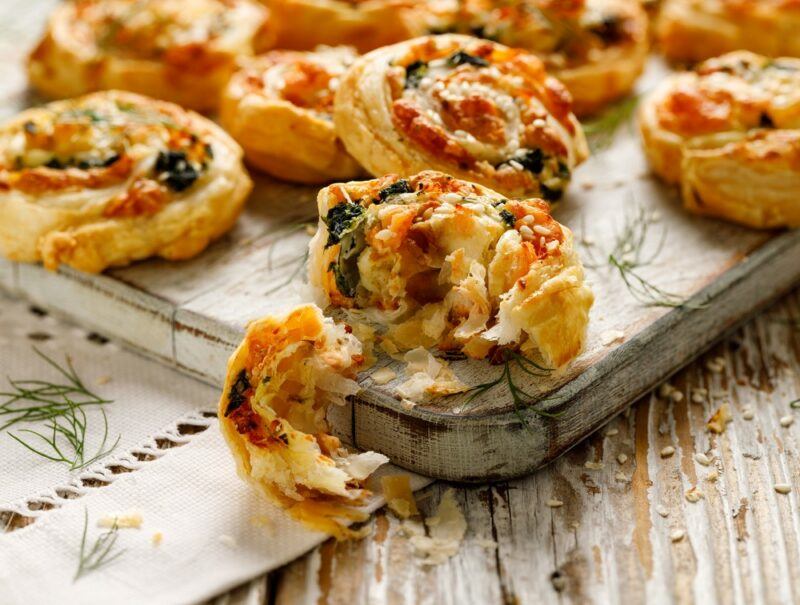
(279, 107)
(468, 107)
(182, 51)
(113, 177)
(280, 381)
(728, 133)
(597, 48)
(693, 30)
(363, 24)
(451, 264)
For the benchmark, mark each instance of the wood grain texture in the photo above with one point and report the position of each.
(192, 314)
(609, 543)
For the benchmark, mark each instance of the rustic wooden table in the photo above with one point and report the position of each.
(626, 531)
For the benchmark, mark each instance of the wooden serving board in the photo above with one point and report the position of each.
(192, 314)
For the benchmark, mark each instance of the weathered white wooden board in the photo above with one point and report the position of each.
(192, 314)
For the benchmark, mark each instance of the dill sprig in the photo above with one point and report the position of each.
(101, 553)
(60, 406)
(301, 263)
(65, 441)
(795, 405)
(40, 400)
(628, 256)
(602, 130)
(520, 398)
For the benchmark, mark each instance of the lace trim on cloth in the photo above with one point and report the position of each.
(21, 514)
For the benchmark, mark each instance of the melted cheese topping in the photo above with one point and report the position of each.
(164, 29)
(486, 108)
(736, 92)
(149, 152)
(306, 79)
(563, 34)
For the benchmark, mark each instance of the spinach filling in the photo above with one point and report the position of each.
(414, 73)
(236, 396)
(508, 218)
(345, 224)
(174, 168)
(83, 164)
(462, 58)
(401, 186)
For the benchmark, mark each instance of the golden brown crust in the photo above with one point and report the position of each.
(113, 177)
(451, 264)
(279, 107)
(279, 382)
(727, 133)
(468, 107)
(362, 24)
(693, 30)
(174, 50)
(597, 48)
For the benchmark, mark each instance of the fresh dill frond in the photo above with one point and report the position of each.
(795, 405)
(101, 552)
(629, 254)
(602, 130)
(284, 231)
(519, 397)
(64, 439)
(301, 263)
(41, 400)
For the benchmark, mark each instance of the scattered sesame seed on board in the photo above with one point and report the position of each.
(667, 451)
(553, 503)
(701, 458)
(676, 396)
(594, 466)
(787, 421)
(783, 488)
(662, 510)
(622, 458)
(748, 413)
(676, 535)
(694, 495)
(612, 432)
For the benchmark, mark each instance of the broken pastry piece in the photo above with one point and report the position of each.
(280, 382)
(441, 262)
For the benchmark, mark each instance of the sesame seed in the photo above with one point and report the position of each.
(694, 495)
(594, 466)
(622, 458)
(553, 503)
(611, 432)
(667, 451)
(787, 421)
(676, 535)
(676, 396)
(783, 488)
(665, 389)
(662, 510)
(748, 414)
(621, 477)
(701, 458)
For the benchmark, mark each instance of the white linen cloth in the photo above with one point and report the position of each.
(217, 532)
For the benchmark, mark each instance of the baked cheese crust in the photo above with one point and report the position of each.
(279, 107)
(182, 51)
(113, 177)
(464, 106)
(728, 133)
